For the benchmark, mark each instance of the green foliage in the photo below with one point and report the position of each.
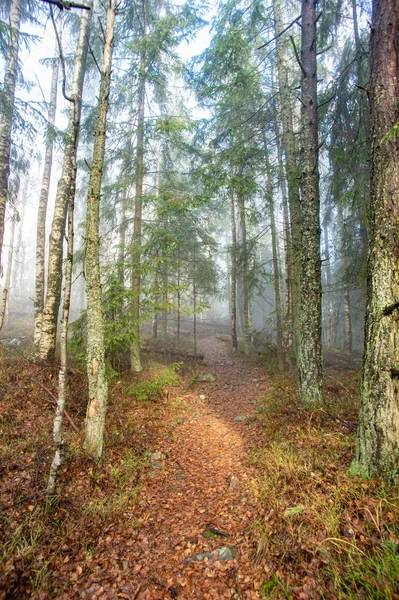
(150, 390)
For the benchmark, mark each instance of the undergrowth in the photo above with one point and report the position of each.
(150, 389)
(322, 533)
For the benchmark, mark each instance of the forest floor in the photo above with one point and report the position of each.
(216, 483)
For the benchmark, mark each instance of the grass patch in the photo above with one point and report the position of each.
(153, 389)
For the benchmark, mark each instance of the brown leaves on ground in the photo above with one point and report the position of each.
(182, 477)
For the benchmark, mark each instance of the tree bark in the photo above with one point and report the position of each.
(276, 269)
(310, 347)
(244, 272)
(291, 167)
(98, 386)
(65, 185)
(135, 360)
(8, 100)
(233, 286)
(328, 291)
(6, 291)
(43, 200)
(378, 433)
(63, 372)
(288, 337)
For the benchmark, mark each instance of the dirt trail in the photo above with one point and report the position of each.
(201, 479)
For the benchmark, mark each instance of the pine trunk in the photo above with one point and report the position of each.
(310, 347)
(7, 112)
(98, 386)
(233, 285)
(378, 433)
(43, 200)
(291, 168)
(135, 359)
(288, 337)
(245, 275)
(63, 196)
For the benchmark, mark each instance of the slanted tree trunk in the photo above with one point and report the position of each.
(7, 110)
(43, 200)
(98, 386)
(378, 433)
(291, 167)
(65, 185)
(310, 346)
(233, 285)
(135, 360)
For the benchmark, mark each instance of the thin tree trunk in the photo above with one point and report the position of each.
(378, 433)
(245, 275)
(291, 167)
(135, 359)
(328, 291)
(288, 337)
(7, 112)
(63, 372)
(98, 386)
(233, 285)
(18, 271)
(6, 291)
(65, 185)
(195, 300)
(276, 270)
(310, 346)
(42, 211)
(347, 320)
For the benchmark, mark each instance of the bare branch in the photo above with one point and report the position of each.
(62, 4)
(297, 55)
(62, 60)
(280, 34)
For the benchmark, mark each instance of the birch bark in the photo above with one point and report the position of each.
(66, 184)
(43, 200)
(98, 386)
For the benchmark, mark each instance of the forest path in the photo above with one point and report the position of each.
(202, 478)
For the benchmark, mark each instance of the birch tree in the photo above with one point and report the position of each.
(65, 185)
(43, 200)
(98, 387)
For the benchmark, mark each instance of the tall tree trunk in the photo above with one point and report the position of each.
(233, 285)
(291, 167)
(135, 359)
(288, 337)
(195, 298)
(63, 372)
(18, 271)
(42, 211)
(245, 274)
(66, 184)
(7, 113)
(276, 269)
(98, 386)
(6, 291)
(347, 320)
(378, 433)
(310, 347)
(328, 291)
